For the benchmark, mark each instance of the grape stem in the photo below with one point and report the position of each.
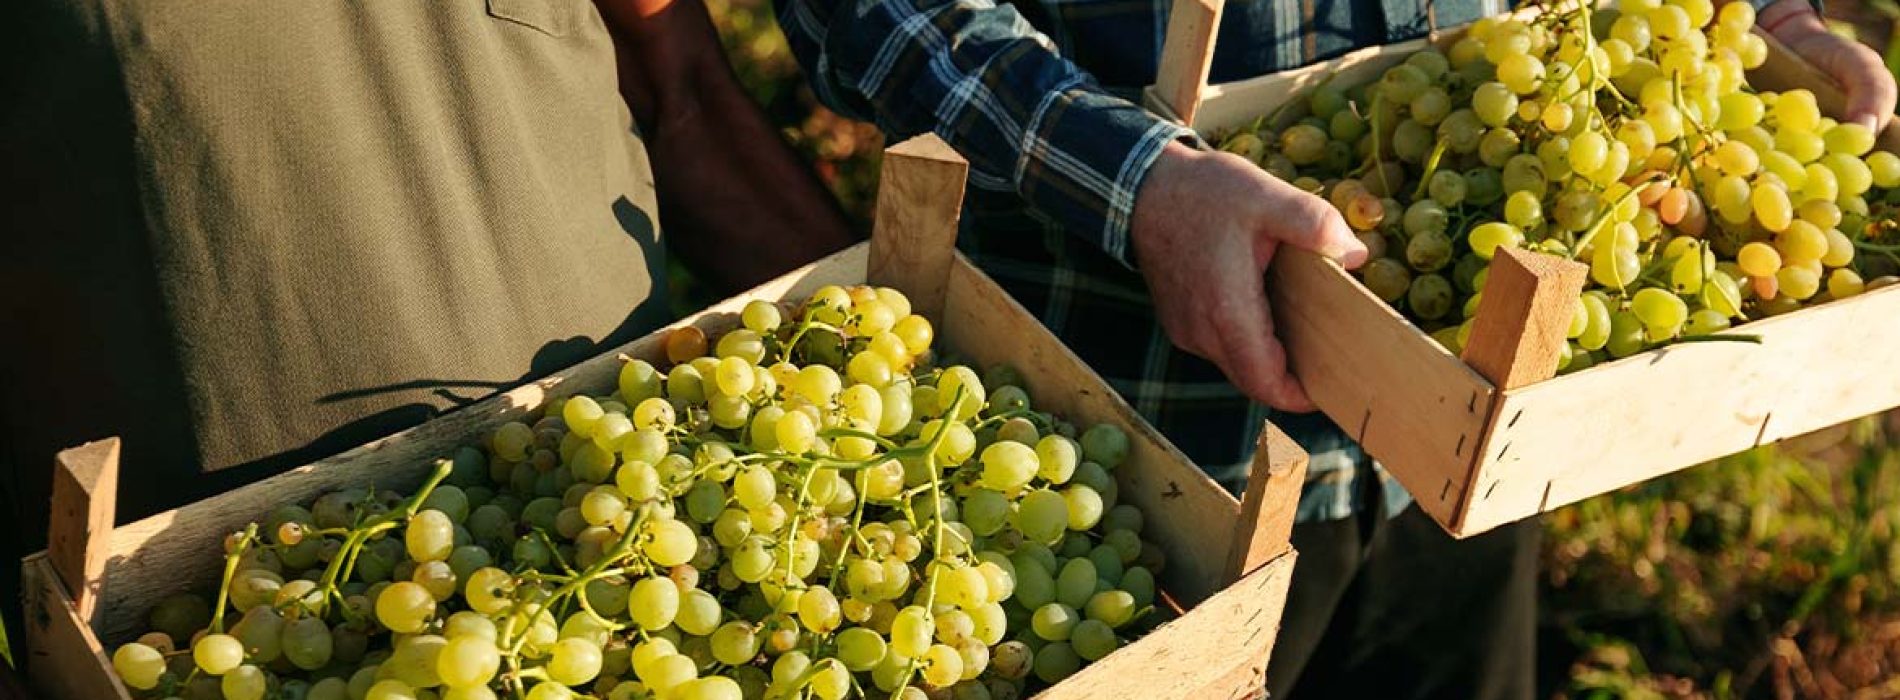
(230, 570)
(937, 526)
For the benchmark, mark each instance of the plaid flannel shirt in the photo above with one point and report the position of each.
(1038, 96)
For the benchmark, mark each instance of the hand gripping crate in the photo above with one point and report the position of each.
(1229, 561)
(1492, 437)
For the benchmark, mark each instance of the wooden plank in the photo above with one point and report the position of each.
(1272, 499)
(1185, 657)
(63, 660)
(919, 197)
(178, 550)
(1187, 53)
(1524, 318)
(1228, 106)
(1190, 516)
(78, 541)
(1407, 401)
(1579, 435)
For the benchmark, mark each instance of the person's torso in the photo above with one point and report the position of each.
(349, 217)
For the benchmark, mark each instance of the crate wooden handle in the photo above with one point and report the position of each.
(85, 499)
(1265, 530)
(1524, 317)
(919, 198)
(1187, 54)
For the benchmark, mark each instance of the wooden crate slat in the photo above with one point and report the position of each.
(85, 497)
(178, 550)
(62, 656)
(1189, 515)
(1398, 393)
(1172, 661)
(1582, 434)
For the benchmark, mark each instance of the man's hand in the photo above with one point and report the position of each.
(1856, 68)
(1205, 227)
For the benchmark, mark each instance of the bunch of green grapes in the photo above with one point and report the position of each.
(1625, 138)
(813, 510)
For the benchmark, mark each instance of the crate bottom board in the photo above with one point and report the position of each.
(66, 661)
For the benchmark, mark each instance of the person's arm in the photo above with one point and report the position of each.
(1856, 68)
(738, 205)
(1202, 226)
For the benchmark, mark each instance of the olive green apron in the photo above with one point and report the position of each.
(265, 232)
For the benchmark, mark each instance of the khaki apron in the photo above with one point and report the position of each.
(262, 233)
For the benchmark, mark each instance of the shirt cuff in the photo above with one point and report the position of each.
(1086, 158)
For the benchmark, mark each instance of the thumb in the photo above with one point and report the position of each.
(1302, 220)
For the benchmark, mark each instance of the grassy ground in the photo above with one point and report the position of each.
(1771, 574)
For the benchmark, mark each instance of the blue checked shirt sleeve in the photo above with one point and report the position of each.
(979, 76)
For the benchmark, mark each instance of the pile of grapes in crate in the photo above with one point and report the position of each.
(1625, 138)
(817, 509)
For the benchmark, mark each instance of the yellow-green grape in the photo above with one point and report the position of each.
(1659, 310)
(760, 316)
(1558, 117)
(1056, 458)
(860, 648)
(1523, 210)
(1851, 174)
(708, 688)
(1771, 207)
(1042, 516)
(550, 691)
(245, 682)
(653, 414)
(391, 689)
(1844, 283)
(1486, 238)
(1614, 262)
(670, 542)
(910, 632)
(818, 610)
(574, 661)
(1521, 72)
(1588, 151)
(734, 643)
(467, 661)
(943, 667)
(1820, 184)
(1305, 144)
(1840, 249)
(405, 607)
(1737, 158)
(734, 376)
(1758, 259)
(1084, 506)
(512, 440)
(754, 488)
(1796, 110)
(1798, 281)
(581, 413)
(430, 536)
(795, 432)
(1722, 294)
(602, 505)
(1494, 104)
(1885, 169)
(1731, 196)
(1801, 242)
(916, 333)
(139, 665)
(1008, 466)
(1849, 138)
(654, 602)
(490, 591)
(1626, 334)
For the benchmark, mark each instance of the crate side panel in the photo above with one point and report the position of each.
(1189, 515)
(1217, 651)
(1411, 404)
(62, 658)
(1580, 435)
(148, 556)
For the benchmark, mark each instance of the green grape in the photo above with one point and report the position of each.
(1493, 103)
(1486, 238)
(139, 665)
(1056, 661)
(430, 536)
(581, 413)
(1687, 273)
(245, 682)
(1076, 582)
(1054, 621)
(1104, 444)
(670, 543)
(1588, 151)
(1430, 296)
(1428, 251)
(1527, 173)
(1523, 210)
(550, 691)
(467, 661)
(911, 632)
(860, 649)
(1626, 334)
(1093, 639)
(1042, 515)
(1447, 188)
(1597, 332)
(1304, 144)
(262, 631)
(307, 643)
(1658, 309)
(1884, 168)
(1008, 466)
(1705, 321)
(574, 661)
(1522, 73)
(609, 430)
(1084, 506)
(1386, 278)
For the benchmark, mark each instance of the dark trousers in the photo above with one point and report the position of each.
(1397, 609)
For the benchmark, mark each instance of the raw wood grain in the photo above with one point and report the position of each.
(1411, 404)
(919, 197)
(1187, 52)
(1265, 530)
(1176, 660)
(1582, 434)
(78, 540)
(62, 658)
(1524, 317)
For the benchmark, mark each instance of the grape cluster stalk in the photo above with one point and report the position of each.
(804, 508)
(1626, 138)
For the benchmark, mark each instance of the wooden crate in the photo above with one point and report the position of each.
(1229, 562)
(1492, 437)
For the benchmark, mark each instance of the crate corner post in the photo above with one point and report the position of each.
(62, 655)
(913, 238)
(1521, 328)
(84, 503)
(1187, 55)
(1267, 508)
